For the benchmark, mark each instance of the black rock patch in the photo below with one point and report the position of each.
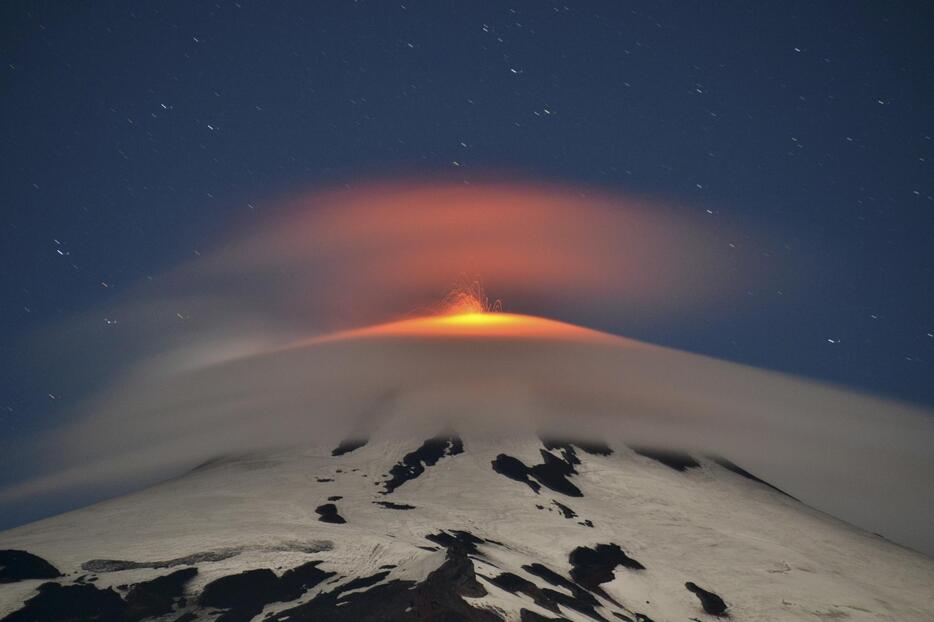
(158, 596)
(580, 600)
(438, 597)
(244, 595)
(325, 479)
(70, 603)
(513, 468)
(679, 461)
(586, 523)
(591, 567)
(349, 445)
(514, 584)
(730, 466)
(362, 582)
(462, 540)
(414, 463)
(18, 565)
(565, 510)
(553, 473)
(84, 602)
(394, 506)
(335, 498)
(711, 603)
(566, 449)
(594, 448)
(327, 513)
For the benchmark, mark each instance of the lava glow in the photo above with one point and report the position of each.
(469, 298)
(477, 325)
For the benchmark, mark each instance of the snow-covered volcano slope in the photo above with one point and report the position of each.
(459, 529)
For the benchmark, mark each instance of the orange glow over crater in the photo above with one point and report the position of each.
(476, 324)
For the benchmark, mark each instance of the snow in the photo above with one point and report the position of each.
(768, 556)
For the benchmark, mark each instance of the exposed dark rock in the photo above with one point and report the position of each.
(349, 445)
(158, 596)
(18, 565)
(591, 567)
(362, 582)
(414, 463)
(513, 468)
(244, 595)
(679, 461)
(711, 603)
(335, 498)
(549, 575)
(325, 479)
(594, 448)
(580, 599)
(730, 466)
(586, 523)
(298, 580)
(463, 540)
(566, 449)
(70, 603)
(438, 597)
(552, 473)
(395, 506)
(565, 510)
(327, 513)
(517, 585)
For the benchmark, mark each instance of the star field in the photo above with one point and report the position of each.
(134, 135)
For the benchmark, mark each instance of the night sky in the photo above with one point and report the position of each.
(132, 137)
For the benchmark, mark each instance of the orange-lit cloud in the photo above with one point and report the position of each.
(477, 325)
(375, 252)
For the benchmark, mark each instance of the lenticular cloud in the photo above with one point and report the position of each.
(259, 344)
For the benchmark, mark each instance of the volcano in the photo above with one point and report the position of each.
(483, 512)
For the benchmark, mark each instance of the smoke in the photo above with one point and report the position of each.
(237, 351)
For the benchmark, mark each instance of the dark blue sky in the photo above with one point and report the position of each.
(133, 136)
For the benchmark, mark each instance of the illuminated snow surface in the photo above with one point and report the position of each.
(451, 528)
